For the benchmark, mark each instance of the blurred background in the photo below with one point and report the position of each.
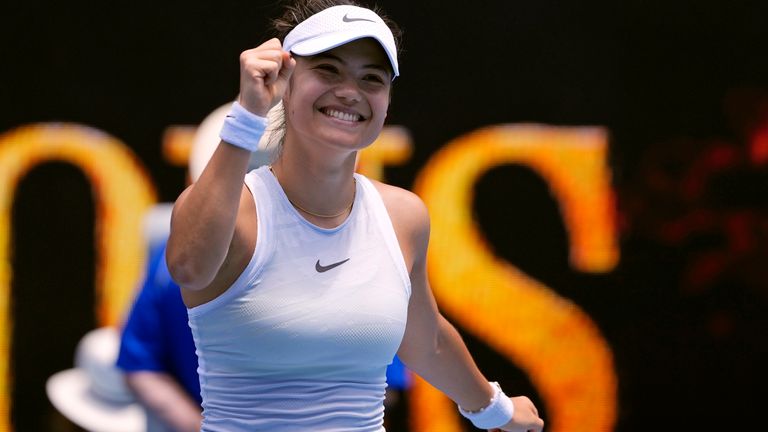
(676, 90)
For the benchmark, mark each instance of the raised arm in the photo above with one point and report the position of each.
(206, 215)
(431, 346)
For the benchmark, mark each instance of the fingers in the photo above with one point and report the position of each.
(526, 416)
(267, 61)
(288, 64)
(258, 63)
(264, 74)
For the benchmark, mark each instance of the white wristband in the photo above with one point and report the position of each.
(242, 128)
(498, 412)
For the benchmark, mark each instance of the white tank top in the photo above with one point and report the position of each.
(302, 339)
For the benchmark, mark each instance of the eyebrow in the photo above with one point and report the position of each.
(376, 66)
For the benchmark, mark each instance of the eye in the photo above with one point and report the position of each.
(327, 67)
(374, 78)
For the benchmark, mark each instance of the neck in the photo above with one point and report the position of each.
(343, 212)
(322, 192)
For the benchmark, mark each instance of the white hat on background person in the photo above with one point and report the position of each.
(206, 140)
(93, 394)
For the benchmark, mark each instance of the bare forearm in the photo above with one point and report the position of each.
(450, 368)
(163, 396)
(203, 225)
(204, 219)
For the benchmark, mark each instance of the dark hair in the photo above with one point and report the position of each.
(297, 11)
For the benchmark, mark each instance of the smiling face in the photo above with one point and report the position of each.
(340, 97)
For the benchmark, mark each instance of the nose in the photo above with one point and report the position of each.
(348, 91)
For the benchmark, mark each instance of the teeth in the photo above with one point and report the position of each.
(342, 116)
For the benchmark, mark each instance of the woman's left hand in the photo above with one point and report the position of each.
(525, 419)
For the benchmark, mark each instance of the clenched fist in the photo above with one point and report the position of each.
(264, 74)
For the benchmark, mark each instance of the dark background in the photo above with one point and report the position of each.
(681, 86)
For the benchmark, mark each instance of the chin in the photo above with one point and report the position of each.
(350, 140)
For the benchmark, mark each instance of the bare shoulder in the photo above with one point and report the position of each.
(407, 211)
(399, 200)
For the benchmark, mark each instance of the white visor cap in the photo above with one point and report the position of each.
(338, 25)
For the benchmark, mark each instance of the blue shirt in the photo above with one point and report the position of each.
(156, 336)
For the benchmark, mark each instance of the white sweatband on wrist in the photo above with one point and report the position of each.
(498, 412)
(242, 128)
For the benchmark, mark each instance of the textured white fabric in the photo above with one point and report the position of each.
(498, 412)
(243, 128)
(292, 348)
(338, 25)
